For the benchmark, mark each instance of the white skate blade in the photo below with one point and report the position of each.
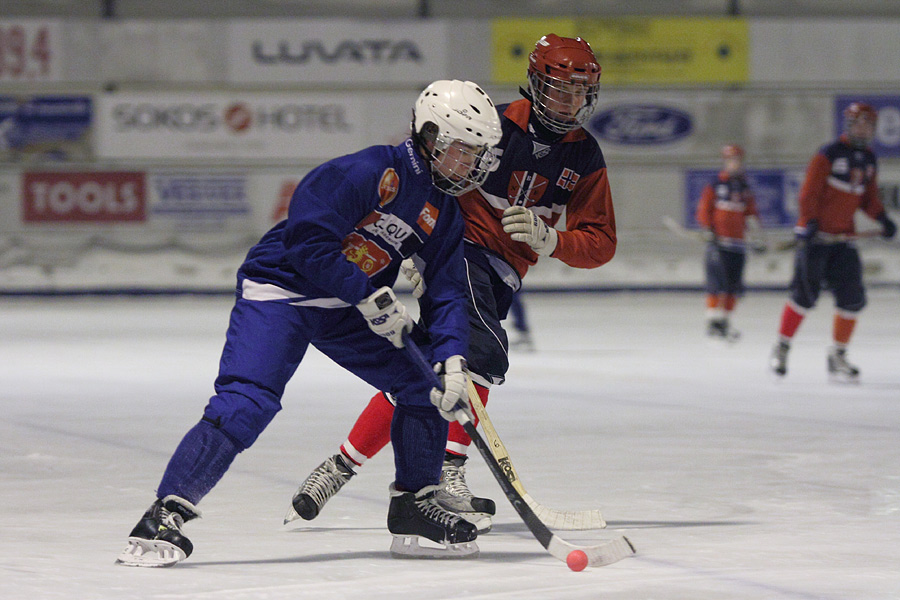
(481, 521)
(728, 339)
(843, 378)
(291, 515)
(407, 546)
(150, 553)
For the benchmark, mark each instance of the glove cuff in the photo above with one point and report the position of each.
(552, 240)
(377, 302)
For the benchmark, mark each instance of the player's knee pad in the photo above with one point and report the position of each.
(241, 416)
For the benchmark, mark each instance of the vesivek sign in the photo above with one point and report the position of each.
(335, 51)
(641, 124)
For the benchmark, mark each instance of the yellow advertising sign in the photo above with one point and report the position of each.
(634, 50)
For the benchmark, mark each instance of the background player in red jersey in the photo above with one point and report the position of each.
(841, 178)
(548, 163)
(726, 208)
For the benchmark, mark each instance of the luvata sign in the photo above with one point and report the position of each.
(335, 51)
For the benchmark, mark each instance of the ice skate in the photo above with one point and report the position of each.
(413, 516)
(778, 359)
(839, 370)
(323, 483)
(157, 539)
(456, 497)
(719, 329)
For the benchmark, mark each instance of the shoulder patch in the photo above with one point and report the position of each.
(388, 186)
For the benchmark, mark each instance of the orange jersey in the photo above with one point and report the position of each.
(567, 175)
(725, 205)
(839, 180)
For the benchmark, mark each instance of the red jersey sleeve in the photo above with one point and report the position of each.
(590, 237)
(705, 206)
(813, 190)
(871, 203)
(752, 210)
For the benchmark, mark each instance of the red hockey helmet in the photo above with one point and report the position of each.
(861, 110)
(563, 79)
(859, 123)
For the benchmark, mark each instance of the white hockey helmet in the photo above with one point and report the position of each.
(455, 125)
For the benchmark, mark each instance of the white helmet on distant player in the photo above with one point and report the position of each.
(455, 125)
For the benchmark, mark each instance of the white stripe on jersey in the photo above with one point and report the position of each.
(846, 186)
(265, 292)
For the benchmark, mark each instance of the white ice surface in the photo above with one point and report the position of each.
(731, 485)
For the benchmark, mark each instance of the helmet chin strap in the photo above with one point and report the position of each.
(540, 130)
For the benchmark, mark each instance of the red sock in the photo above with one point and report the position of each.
(843, 328)
(371, 432)
(730, 302)
(458, 440)
(790, 320)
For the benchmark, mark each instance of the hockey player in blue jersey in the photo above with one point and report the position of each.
(322, 277)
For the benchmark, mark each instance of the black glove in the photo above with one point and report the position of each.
(889, 228)
(808, 232)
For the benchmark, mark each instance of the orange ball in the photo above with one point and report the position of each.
(577, 560)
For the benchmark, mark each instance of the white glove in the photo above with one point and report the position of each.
(386, 315)
(523, 225)
(452, 373)
(408, 268)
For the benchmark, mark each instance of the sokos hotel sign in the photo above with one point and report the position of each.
(334, 51)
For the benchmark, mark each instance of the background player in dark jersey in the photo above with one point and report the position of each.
(518, 315)
(841, 178)
(548, 163)
(726, 208)
(323, 276)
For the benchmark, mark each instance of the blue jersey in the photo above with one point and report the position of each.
(350, 223)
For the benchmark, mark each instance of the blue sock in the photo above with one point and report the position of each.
(199, 462)
(419, 436)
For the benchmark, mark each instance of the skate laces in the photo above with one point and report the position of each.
(433, 512)
(170, 519)
(325, 481)
(454, 479)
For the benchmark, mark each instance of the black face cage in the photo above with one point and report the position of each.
(541, 85)
(857, 141)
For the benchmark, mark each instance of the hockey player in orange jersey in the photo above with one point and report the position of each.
(840, 179)
(726, 208)
(548, 164)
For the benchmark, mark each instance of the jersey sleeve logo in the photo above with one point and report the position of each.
(428, 218)
(567, 179)
(365, 254)
(525, 188)
(388, 186)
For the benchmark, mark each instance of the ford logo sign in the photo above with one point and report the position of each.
(641, 124)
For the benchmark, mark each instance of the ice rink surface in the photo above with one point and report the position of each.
(731, 485)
